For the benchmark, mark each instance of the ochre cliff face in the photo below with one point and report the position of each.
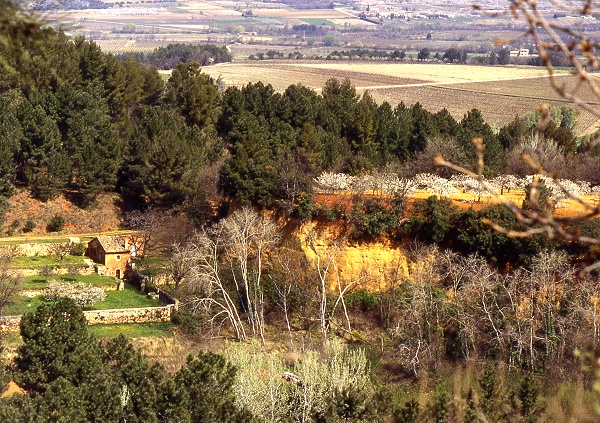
(374, 266)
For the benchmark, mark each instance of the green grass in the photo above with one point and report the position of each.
(11, 339)
(46, 261)
(39, 282)
(22, 305)
(130, 330)
(133, 330)
(317, 21)
(130, 297)
(21, 239)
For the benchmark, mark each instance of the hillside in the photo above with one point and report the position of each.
(103, 215)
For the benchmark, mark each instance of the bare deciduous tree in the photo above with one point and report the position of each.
(11, 279)
(206, 289)
(146, 223)
(184, 256)
(327, 268)
(246, 236)
(238, 244)
(61, 250)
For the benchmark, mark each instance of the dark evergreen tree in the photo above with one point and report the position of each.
(300, 105)
(163, 160)
(56, 345)
(511, 134)
(194, 94)
(205, 391)
(141, 382)
(473, 126)
(42, 161)
(11, 134)
(339, 100)
(421, 127)
(90, 140)
(393, 141)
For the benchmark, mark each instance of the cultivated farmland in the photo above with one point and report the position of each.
(499, 92)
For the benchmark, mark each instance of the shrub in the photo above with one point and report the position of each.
(363, 299)
(13, 228)
(83, 295)
(541, 202)
(372, 217)
(331, 214)
(29, 226)
(150, 286)
(56, 224)
(430, 220)
(78, 249)
(187, 321)
(306, 206)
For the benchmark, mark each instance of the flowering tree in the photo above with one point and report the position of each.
(437, 185)
(83, 294)
(334, 181)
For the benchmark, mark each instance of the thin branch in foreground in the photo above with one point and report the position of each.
(535, 222)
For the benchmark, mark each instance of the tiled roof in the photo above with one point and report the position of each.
(113, 244)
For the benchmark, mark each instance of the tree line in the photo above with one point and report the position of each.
(77, 121)
(168, 57)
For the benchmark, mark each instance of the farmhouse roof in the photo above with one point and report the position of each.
(113, 244)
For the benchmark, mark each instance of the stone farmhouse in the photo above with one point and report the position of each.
(111, 254)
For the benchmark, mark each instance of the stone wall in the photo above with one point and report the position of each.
(106, 317)
(60, 271)
(129, 315)
(34, 249)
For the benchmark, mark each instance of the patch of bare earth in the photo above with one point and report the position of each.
(103, 215)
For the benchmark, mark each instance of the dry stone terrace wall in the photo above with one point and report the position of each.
(106, 317)
(36, 249)
(60, 271)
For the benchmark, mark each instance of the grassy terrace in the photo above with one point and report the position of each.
(130, 297)
(47, 261)
(57, 239)
(130, 330)
(40, 240)
(40, 282)
(133, 330)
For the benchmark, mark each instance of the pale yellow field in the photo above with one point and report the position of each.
(299, 14)
(200, 5)
(433, 72)
(364, 75)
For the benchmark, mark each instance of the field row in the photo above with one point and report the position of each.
(314, 75)
(438, 72)
(281, 77)
(535, 88)
(499, 101)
